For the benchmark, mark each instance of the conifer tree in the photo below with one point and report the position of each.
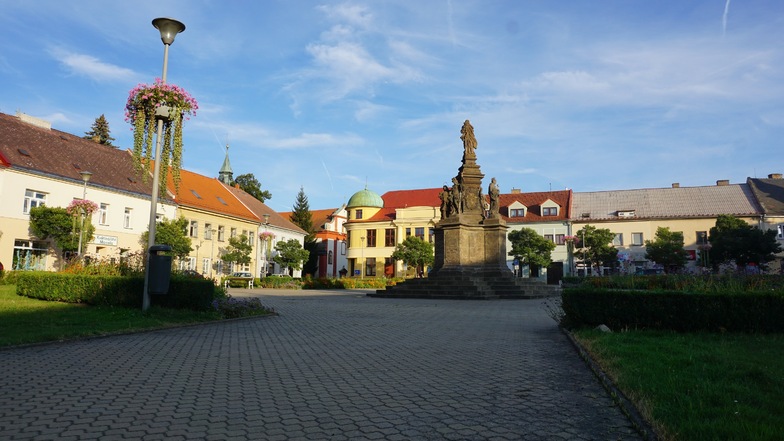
(303, 218)
(100, 132)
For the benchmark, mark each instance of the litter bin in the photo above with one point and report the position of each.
(160, 269)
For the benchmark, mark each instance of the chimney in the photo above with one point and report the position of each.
(774, 176)
(723, 182)
(676, 185)
(515, 191)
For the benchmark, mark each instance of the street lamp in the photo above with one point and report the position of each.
(264, 247)
(169, 29)
(85, 177)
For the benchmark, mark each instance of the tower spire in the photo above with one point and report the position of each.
(226, 175)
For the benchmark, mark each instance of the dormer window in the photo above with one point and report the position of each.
(517, 212)
(549, 211)
(625, 213)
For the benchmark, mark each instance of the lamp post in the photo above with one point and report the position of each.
(212, 251)
(85, 177)
(264, 247)
(169, 29)
(362, 255)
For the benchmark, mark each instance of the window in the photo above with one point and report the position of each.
(207, 231)
(370, 266)
(193, 230)
(702, 236)
(248, 237)
(550, 211)
(419, 232)
(618, 240)
(517, 212)
(371, 238)
(221, 233)
(358, 214)
(329, 257)
(205, 265)
(103, 214)
(559, 239)
(408, 232)
(33, 199)
(637, 239)
(549, 237)
(389, 237)
(29, 255)
(127, 218)
(432, 234)
(233, 233)
(188, 264)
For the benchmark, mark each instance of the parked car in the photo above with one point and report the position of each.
(192, 273)
(242, 275)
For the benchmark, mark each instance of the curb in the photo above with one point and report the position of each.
(627, 407)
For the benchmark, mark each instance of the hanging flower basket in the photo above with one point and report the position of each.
(146, 105)
(266, 235)
(81, 206)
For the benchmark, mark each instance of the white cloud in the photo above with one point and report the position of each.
(91, 67)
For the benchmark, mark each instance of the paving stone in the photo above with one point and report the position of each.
(331, 365)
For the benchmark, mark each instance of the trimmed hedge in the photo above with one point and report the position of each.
(671, 310)
(184, 293)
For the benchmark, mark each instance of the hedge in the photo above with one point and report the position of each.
(671, 310)
(184, 293)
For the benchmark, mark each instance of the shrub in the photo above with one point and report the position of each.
(280, 282)
(232, 307)
(681, 311)
(184, 293)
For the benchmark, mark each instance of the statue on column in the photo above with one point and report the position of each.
(446, 202)
(494, 193)
(469, 141)
(456, 197)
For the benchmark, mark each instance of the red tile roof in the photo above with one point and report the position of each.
(260, 209)
(202, 192)
(47, 151)
(533, 201)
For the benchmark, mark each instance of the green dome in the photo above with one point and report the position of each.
(365, 198)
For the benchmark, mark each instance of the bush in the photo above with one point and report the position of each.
(184, 293)
(280, 282)
(670, 310)
(232, 307)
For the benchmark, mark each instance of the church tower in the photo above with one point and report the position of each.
(225, 174)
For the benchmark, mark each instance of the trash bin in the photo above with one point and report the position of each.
(160, 269)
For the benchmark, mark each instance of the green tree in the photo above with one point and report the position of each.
(173, 233)
(290, 254)
(303, 218)
(667, 250)
(596, 247)
(62, 228)
(249, 184)
(530, 248)
(238, 251)
(734, 240)
(100, 132)
(415, 253)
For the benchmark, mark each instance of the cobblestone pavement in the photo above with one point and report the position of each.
(329, 367)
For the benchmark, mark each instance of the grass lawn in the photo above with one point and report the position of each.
(25, 320)
(698, 386)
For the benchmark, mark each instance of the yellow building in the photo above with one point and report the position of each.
(376, 224)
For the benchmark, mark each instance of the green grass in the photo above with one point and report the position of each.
(24, 320)
(698, 386)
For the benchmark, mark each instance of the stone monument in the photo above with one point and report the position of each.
(470, 242)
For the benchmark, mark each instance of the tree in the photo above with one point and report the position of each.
(61, 227)
(596, 246)
(530, 248)
(303, 218)
(172, 233)
(734, 240)
(667, 250)
(290, 254)
(415, 253)
(238, 250)
(100, 132)
(249, 184)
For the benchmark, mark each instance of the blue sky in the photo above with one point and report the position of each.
(334, 96)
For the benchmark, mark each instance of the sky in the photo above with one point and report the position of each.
(337, 96)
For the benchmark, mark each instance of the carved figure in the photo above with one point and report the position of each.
(469, 141)
(494, 192)
(456, 197)
(446, 203)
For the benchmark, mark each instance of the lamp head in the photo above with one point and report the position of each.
(169, 29)
(85, 175)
